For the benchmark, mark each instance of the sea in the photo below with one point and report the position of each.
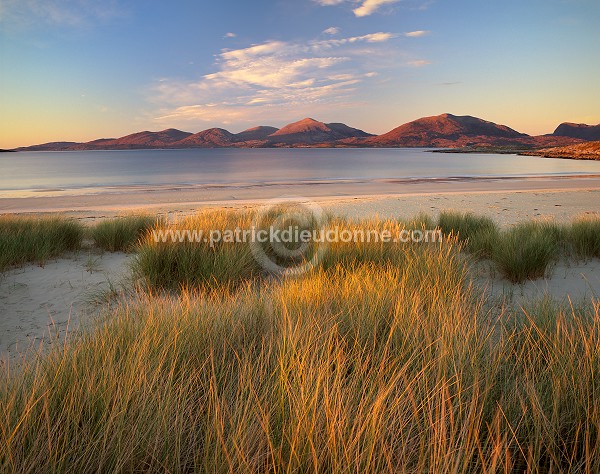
(91, 172)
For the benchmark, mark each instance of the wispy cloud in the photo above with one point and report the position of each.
(370, 38)
(289, 76)
(419, 63)
(73, 13)
(369, 7)
(364, 8)
(230, 35)
(373, 37)
(333, 30)
(416, 34)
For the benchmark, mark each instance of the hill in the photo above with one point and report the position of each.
(578, 130)
(140, 140)
(51, 146)
(444, 130)
(309, 131)
(211, 138)
(261, 132)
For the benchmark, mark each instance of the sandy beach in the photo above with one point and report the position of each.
(507, 200)
(37, 301)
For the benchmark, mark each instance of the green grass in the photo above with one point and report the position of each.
(479, 234)
(525, 251)
(27, 239)
(121, 233)
(176, 265)
(584, 236)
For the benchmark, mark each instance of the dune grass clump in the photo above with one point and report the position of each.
(421, 221)
(28, 239)
(525, 251)
(121, 233)
(369, 244)
(479, 233)
(291, 252)
(368, 367)
(584, 236)
(365, 246)
(179, 254)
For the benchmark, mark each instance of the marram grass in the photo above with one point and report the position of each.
(372, 367)
(525, 251)
(165, 264)
(121, 233)
(168, 262)
(33, 239)
(480, 234)
(521, 252)
(384, 359)
(584, 236)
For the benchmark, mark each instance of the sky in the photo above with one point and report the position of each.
(77, 70)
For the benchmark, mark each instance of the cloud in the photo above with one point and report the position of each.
(73, 13)
(373, 37)
(366, 7)
(331, 30)
(370, 38)
(271, 67)
(273, 77)
(419, 63)
(369, 7)
(230, 35)
(416, 34)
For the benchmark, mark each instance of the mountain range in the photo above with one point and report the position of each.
(441, 131)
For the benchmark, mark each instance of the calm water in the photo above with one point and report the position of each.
(40, 171)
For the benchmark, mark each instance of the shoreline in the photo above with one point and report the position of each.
(187, 199)
(179, 187)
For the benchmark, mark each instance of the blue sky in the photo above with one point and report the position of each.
(84, 69)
